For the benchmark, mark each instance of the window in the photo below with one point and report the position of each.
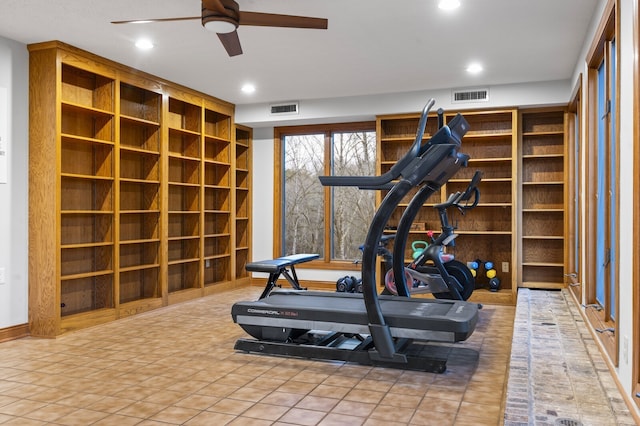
(332, 222)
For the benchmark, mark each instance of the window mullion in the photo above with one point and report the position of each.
(328, 219)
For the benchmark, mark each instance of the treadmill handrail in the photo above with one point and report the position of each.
(381, 182)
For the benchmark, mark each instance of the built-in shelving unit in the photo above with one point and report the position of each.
(542, 221)
(132, 196)
(139, 196)
(519, 223)
(217, 198)
(244, 136)
(488, 232)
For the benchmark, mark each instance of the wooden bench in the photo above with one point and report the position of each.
(281, 266)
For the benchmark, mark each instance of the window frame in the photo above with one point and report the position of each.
(599, 52)
(325, 261)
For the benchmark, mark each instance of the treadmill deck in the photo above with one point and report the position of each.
(439, 320)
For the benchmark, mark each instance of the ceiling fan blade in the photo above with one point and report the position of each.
(275, 20)
(145, 21)
(231, 43)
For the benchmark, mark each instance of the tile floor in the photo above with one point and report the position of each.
(177, 365)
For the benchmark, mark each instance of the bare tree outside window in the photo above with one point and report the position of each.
(354, 154)
(308, 156)
(303, 194)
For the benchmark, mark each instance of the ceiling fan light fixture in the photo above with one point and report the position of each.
(220, 26)
(474, 68)
(144, 44)
(248, 88)
(449, 4)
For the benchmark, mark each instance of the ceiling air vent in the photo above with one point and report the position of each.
(470, 95)
(288, 108)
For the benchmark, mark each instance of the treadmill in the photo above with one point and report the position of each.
(368, 328)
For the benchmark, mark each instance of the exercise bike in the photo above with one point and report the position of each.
(434, 270)
(351, 284)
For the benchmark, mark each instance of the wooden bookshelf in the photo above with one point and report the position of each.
(488, 231)
(243, 137)
(132, 196)
(542, 216)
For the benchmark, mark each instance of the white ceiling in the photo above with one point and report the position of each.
(370, 47)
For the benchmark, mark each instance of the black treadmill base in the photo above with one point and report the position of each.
(409, 355)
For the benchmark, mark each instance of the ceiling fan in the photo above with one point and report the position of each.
(224, 16)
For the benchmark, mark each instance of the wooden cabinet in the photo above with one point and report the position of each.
(131, 191)
(542, 217)
(519, 224)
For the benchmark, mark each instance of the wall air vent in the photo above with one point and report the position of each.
(470, 95)
(286, 108)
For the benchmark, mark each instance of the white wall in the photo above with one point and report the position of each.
(14, 77)
(626, 262)
(367, 107)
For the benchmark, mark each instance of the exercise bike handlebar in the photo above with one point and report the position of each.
(456, 198)
(384, 181)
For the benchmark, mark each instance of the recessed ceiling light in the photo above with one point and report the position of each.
(248, 88)
(144, 44)
(449, 4)
(474, 68)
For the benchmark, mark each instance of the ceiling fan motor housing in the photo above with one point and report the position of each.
(221, 21)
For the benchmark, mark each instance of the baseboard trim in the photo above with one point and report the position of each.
(14, 332)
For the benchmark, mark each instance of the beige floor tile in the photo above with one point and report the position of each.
(175, 415)
(21, 407)
(392, 414)
(250, 421)
(317, 403)
(119, 420)
(362, 395)
(433, 418)
(265, 411)
(341, 380)
(230, 406)
(249, 394)
(208, 418)
(197, 402)
(50, 413)
(141, 409)
(297, 387)
(81, 417)
(299, 416)
(22, 421)
(285, 399)
(335, 419)
(330, 391)
(354, 408)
